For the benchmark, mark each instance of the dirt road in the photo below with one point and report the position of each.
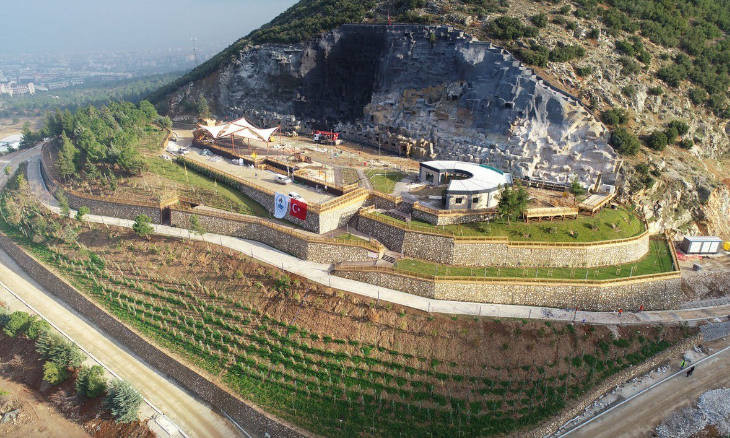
(640, 416)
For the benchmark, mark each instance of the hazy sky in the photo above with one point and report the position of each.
(89, 25)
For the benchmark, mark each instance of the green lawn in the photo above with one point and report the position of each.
(608, 224)
(384, 180)
(239, 202)
(659, 259)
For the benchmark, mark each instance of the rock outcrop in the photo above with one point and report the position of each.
(426, 91)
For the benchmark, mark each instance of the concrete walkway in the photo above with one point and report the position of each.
(319, 273)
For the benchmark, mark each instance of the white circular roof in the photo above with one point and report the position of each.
(482, 179)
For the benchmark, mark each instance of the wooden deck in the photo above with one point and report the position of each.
(550, 213)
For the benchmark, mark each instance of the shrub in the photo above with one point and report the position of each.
(82, 211)
(37, 327)
(576, 188)
(536, 55)
(566, 53)
(539, 20)
(625, 48)
(629, 91)
(142, 226)
(54, 373)
(697, 95)
(623, 141)
(509, 28)
(687, 143)
(655, 91)
(17, 324)
(583, 71)
(615, 116)
(90, 382)
(657, 140)
(681, 127)
(594, 33)
(123, 401)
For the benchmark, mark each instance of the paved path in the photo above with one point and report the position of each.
(640, 416)
(363, 179)
(319, 273)
(196, 418)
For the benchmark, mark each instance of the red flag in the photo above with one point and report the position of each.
(298, 209)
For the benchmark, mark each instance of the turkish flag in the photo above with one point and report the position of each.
(298, 209)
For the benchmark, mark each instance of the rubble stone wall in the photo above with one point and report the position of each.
(476, 252)
(291, 243)
(651, 293)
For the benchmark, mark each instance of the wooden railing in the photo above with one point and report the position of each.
(438, 212)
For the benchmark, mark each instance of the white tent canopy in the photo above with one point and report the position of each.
(239, 128)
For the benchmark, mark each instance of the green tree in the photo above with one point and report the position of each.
(63, 203)
(195, 225)
(202, 108)
(37, 327)
(657, 140)
(59, 351)
(67, 157)
(512, 202)
(123, 401)
(90, 382)
(54, 374)
(576, 188)
(81, 212)
(16, 324)
(615, 116)
(142, 226)
(623, 141)
(681, 127)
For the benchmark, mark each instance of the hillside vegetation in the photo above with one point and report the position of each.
(334, 363)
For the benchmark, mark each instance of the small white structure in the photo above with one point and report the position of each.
(471, 186)
(701, 245)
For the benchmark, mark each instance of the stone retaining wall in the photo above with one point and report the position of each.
(299, 246)
(484, 252)
(253, 419)
(663, 292)
(317, 221)
(450, 218)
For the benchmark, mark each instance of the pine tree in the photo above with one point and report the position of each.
(123, 401)
(67, 157)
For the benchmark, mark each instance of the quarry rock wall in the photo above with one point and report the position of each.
(431, 91)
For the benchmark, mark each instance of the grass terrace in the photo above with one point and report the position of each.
(658, 260)
(384, 180)
(608, 224)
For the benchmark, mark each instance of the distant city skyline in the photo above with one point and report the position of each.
(78, 26)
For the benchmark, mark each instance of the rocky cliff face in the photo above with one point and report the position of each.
(424, 90)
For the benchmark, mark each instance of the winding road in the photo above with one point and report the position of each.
(196, 418)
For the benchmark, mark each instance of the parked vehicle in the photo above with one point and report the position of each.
(282, 179)
(295, 195)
